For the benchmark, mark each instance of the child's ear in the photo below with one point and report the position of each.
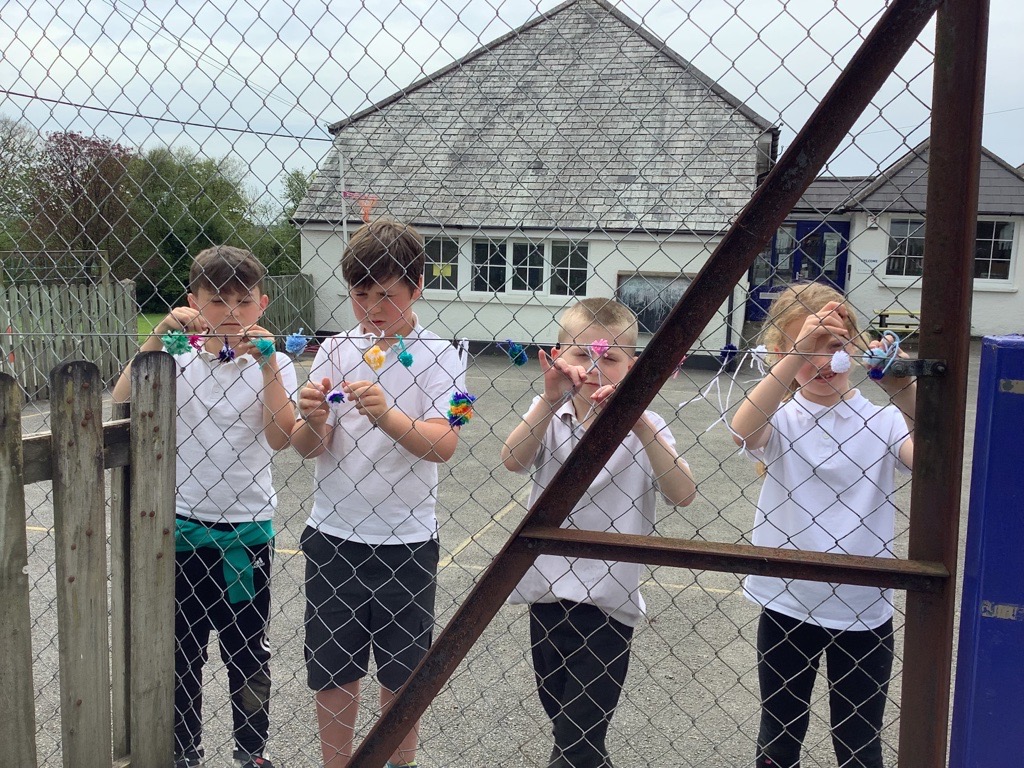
(193, 302)
(418, 290)
(264, 302)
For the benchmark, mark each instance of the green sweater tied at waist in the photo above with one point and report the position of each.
(190, 535)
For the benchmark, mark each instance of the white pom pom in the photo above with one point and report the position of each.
(840, 362)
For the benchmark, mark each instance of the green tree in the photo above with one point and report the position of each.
(185, 203)
(19, 150)
(278, 244)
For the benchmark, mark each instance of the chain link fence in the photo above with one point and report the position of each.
(547, 153)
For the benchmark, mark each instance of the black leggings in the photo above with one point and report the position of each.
(580, 657)
(859, 665)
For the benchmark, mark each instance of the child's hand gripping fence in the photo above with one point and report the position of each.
(546, 154)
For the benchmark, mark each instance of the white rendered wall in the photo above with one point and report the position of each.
(521, 316)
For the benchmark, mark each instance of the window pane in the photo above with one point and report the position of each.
(906, 247)
(527, 266)
(442, 265)
(999, 270)
(985, 230)
(488, 266)
(992, 250)
(569, 268)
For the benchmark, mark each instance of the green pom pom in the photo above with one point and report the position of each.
(176, 342)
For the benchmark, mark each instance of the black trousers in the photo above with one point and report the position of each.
(201, 605)
(580, 658)
(859, 665)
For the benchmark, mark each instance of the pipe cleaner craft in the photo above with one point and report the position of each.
(176, 342)
(374, 357)
(404, 356)
(880, 359)
(460, 408)
(226, 354)
(516, 353)
(264, 346)
(295, 343)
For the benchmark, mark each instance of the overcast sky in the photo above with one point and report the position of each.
(292, 68)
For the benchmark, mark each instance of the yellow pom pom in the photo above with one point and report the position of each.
(374, 357)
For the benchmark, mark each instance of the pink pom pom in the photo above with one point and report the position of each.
(599, 347)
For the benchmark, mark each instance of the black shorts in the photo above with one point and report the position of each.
(362, 595)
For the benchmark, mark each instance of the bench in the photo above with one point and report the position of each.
(904, 322)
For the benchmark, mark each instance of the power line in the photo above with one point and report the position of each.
(154, 119)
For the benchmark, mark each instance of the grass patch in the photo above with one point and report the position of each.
(147, 322)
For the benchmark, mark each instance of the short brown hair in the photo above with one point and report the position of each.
(608, 313)
(382, 250)
(224, 268)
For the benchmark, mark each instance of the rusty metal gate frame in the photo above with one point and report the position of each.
(929, 573)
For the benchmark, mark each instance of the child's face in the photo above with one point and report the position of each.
(385, 309)
(816, 379)
(229, 311)
(611, 367)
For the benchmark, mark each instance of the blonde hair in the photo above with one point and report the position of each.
(608, 313)
(797, 302)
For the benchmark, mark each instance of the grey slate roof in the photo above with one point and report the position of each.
(903, 187)
(828, 194)
(579, 119)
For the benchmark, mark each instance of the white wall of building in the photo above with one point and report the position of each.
(998, 305)
(521, 316)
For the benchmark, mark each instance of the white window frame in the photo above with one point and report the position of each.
(997, 284)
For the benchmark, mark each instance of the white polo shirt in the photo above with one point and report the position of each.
(368, 488)
(828, 488)
(223, 464)
(622, 499)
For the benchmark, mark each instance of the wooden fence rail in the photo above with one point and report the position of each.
(132, 726)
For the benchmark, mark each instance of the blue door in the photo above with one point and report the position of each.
(801, 251)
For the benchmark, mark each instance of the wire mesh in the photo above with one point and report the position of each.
(546, 153)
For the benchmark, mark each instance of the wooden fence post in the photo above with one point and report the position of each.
(17, 702)
(79, 524)
(151, 566)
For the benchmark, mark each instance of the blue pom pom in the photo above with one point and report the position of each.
(876, 374)
(728, 353)
(516, 353)
(295, 343)
(337, 396)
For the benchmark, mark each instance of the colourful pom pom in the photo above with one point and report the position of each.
(877, 374)
(405, 356)
(599, 347)
(374, 357)
(196, 341)
(226, 354)
(516, 353)
(728, 353)
(460, 408)
(840, 361)
(175, 342)
(295, 343)
(876, 358)
(335, 397)
(264, 346)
